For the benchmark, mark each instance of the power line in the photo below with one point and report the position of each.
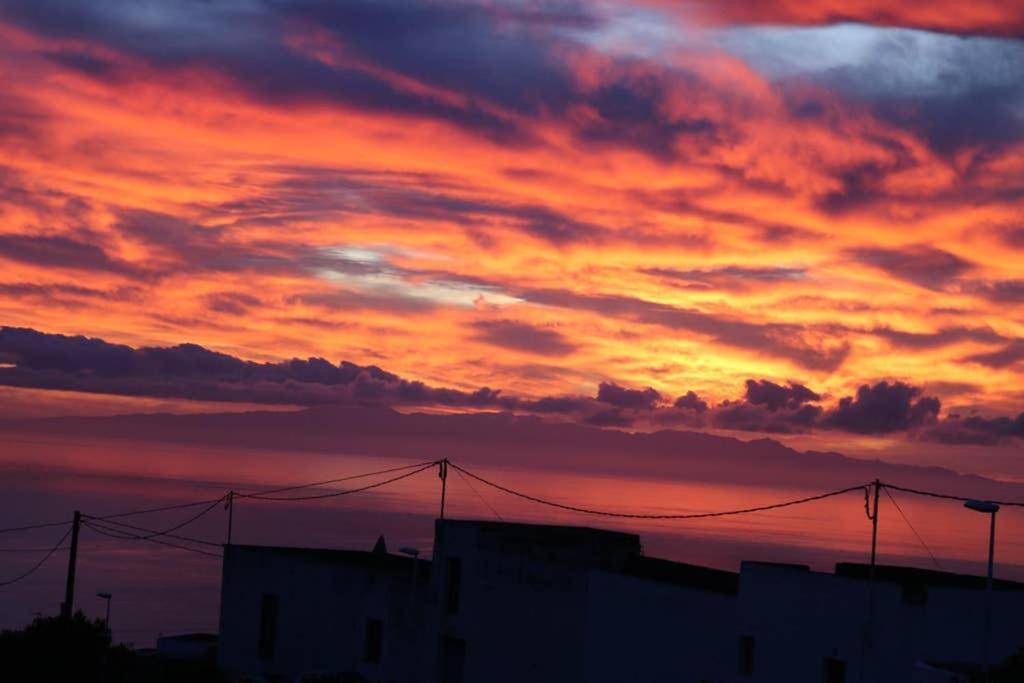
(40, 562)
(698, 515)
(482, 499)
(165, 508)
(920, 540)
(947, 496)
(168, 532)
(34, 526)
(124, 536)
(334, 494)
(339, 479)
(150, 534)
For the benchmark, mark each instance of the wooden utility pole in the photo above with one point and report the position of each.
(231, 513)
(67, 607)
(442, 472)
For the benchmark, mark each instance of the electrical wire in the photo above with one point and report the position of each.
(920, 540)
(335, 481)
(124, 536)
(335, 494)
(482, 499)
(165, 508)
(169, 532)
(33, 526)
(150, 534)
(697, 515)
(40, 563)
(947, 496)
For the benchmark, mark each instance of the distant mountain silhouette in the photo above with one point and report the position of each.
(509, 440)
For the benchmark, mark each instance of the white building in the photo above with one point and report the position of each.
(520, 602)
(802, 626)
(289, 612)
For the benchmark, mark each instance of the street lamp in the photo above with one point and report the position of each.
(989, 508)
(106, 596)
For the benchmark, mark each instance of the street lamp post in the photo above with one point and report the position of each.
(989, 508)
(106, 596)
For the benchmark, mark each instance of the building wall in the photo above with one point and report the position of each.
(523, 599)
(640, 630)
(798, 618)
(323, 607)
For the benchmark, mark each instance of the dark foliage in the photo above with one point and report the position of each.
(55, 650)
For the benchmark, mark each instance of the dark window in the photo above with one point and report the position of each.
(453, 660)
(373, 641)
(454, 583)
(268, 625)
(834, 670)
(746, 655)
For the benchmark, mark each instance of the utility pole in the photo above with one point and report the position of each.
(442, 472)
(874, 531)
(230, 505)
(869, 629)
(67, 607)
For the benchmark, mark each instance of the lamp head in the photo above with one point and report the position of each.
(105, 596)
(982, 506)
(411, 552)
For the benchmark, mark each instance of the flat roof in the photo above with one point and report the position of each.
(554, 531)
(362, 558)
(682, 574)
(928, 577)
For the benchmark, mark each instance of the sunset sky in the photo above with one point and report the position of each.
(795, 218)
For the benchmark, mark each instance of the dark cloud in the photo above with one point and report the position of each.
(62, 251)
(976, 430)
(860, 186)
(612, 417)
(942, 337)
(52, 361)
(631, 110)
(507, 61)
(232, 303)
(776, 397)
(691, 401)
(923, 265)
(521, 336)
(67, 293)
(978, 117)
(247, 42)
(311, 192)
(498, 54)
(746, 416)
(1009, 355)
(638, 399)
(728, 277)
(1013, 236)
(883, 408)
(793, 342)
(1000, 291)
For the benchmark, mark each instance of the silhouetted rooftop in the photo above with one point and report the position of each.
(682, 574)
(362, 558)
(928, 577)
(547, 532)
